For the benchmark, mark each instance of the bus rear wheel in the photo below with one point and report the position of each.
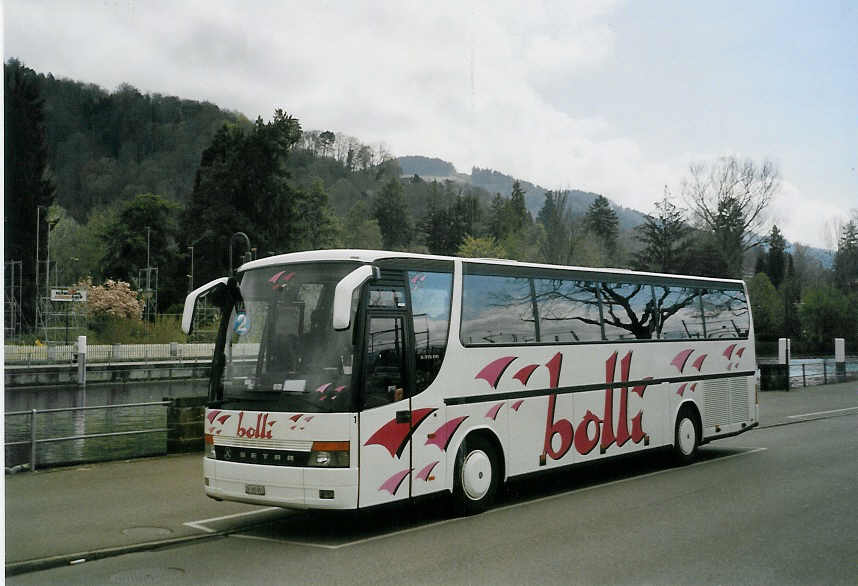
(476, 476)
(686, 438)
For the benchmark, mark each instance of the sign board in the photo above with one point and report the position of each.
(68, 294)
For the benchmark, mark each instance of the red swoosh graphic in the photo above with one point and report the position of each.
(211, 416)
(393, 483)
(493, 412)
(524, 374)
(223, 418)
(517, 404)
(424, 474)
(680, 359)
(681, 390)
(394, 436)
(728, 353)
(740, 351)
(444, 433)
(698, 363)
(492, 372)
(295, 418)
(693, 387)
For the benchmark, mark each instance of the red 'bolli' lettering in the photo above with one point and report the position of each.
(562, 427)
(259, 431)
(583, 442)
(591, 428)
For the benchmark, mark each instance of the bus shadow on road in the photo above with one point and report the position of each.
(334, 530)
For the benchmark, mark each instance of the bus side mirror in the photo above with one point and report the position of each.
(191, 302)
(345, 289)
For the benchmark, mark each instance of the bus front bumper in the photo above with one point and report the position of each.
(281, 486)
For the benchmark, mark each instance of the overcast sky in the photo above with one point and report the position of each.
(612, 97)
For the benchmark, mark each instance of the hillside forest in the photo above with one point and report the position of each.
(101, 186)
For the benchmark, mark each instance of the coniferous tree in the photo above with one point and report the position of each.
(242, 186)
(27, 183)
(846, 259)
(517, 216)
(390, 210)
(664, 237)
(555, 246)
(760, 263)
(776, 262)
(602, 221)
(497, 218)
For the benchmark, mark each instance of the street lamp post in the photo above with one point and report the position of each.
(36, 305)
(147, 294)
(247, 249)
(191, 275)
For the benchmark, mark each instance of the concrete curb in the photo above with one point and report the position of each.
(39, 564)
(55, 561)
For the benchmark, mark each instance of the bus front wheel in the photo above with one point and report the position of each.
(686, 439)
(476, 476)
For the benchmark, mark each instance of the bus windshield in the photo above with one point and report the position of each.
(281, 352)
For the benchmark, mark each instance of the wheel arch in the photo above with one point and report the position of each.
(691, 406)
(485, 432)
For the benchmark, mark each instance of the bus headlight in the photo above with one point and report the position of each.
(329, 455)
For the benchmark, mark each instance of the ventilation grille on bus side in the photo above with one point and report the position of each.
(725, 401)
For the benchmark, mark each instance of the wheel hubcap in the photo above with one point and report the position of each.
(687, 436)
(476, 475)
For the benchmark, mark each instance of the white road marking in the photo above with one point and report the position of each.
(822, 412)
(748, 452)
(200, 525)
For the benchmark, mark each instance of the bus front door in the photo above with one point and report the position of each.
(386, 418)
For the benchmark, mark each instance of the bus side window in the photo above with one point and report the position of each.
(679, 312)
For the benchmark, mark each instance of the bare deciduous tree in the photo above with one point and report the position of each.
(729, 198)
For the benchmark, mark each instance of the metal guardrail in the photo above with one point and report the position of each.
(107, 353)
(805, 372)
(33, 442)
(119, 353)
(825, 371)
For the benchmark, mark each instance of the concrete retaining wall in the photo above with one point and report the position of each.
(55, 375)
(185, 424)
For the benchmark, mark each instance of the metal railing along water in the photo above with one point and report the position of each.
(809, 372)
(34, 441)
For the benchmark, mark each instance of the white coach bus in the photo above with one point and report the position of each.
(345, 379)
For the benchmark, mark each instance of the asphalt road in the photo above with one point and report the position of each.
(776, 505)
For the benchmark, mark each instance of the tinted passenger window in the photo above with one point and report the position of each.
(726, 314)
(497, 310)
(568, 310)
(679, 313)
(430, 308)
(629, 311)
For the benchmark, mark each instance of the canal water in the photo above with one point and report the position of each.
(76, 423)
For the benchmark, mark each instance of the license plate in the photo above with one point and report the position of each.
(254, 489)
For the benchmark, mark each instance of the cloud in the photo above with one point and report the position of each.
(463, 80)
(806, 219)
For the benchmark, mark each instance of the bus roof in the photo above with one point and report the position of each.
(370, 256)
